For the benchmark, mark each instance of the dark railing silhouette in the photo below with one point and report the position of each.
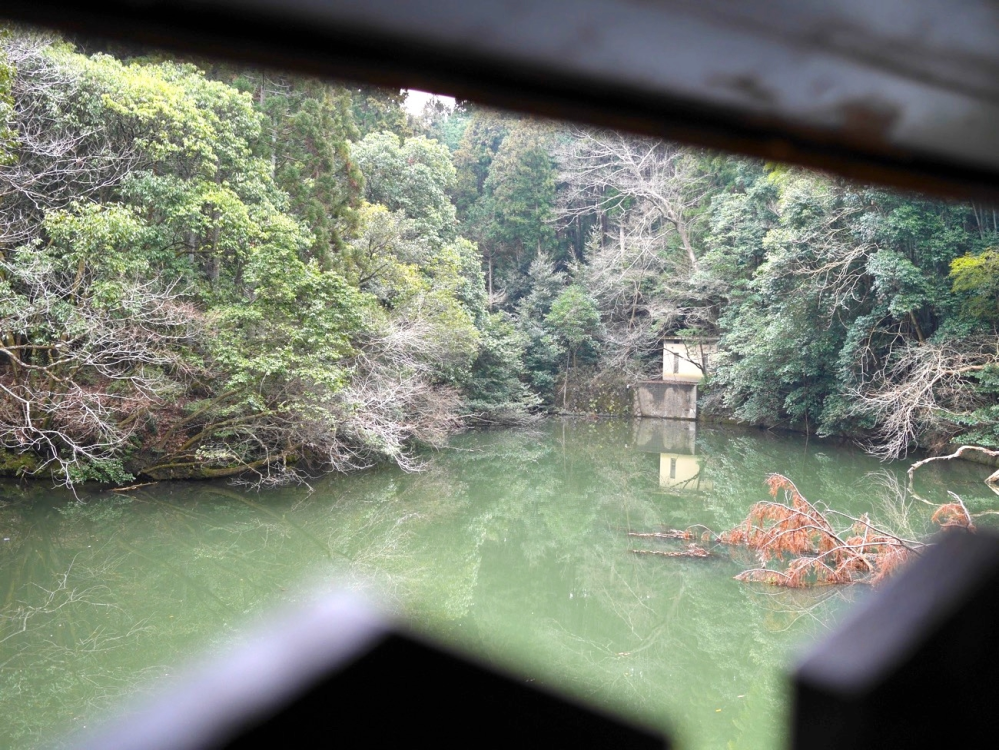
(339, 675)
(912, 668)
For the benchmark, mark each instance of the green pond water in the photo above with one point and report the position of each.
(512, 544)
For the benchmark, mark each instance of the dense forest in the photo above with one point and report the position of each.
(211, 271)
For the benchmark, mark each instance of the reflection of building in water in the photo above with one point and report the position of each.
(679, 472)
(680, 468)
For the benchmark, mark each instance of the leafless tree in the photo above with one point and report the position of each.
(393, 398)
(60, 153)
(643, 256)
(919, 389)
(72, 392)
(651, 186)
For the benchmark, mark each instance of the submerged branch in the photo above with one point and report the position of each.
(807, 549)
(691, 551)
(992, 480)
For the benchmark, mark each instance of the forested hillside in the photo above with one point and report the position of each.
(207, 271)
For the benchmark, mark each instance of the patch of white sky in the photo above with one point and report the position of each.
(418, 99)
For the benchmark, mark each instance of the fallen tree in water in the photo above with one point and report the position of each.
(991, 481)
(797, 545)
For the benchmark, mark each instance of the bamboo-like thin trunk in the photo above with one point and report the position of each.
(565, 385)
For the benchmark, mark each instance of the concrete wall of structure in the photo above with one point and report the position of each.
(667, 400)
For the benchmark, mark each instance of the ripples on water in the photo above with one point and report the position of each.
(512, 544)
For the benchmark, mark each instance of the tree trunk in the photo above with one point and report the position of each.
(565, 385)
(685, 239)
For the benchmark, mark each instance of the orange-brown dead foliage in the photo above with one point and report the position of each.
(953, 515)
(798, 547)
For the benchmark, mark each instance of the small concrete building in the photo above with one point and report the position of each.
(688, 359)
(685, 364)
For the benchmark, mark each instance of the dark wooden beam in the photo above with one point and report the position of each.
(904, 92)
(339, 674)
(915, 667)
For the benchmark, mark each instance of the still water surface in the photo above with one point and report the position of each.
(512, 544)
